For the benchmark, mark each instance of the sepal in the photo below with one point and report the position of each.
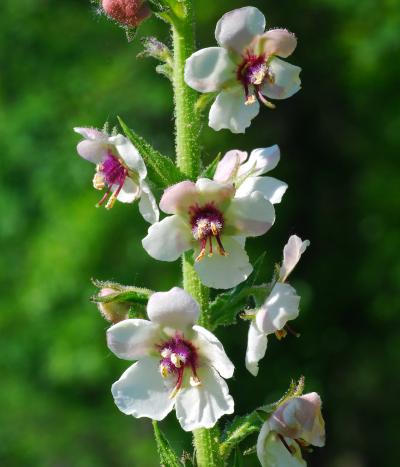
(167, 455)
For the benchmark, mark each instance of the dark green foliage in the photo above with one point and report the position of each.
(167, 456)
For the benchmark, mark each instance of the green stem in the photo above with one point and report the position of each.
(187, 128)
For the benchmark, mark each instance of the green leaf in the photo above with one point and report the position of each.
(161, 169)
(209, 171)
(238, 460)
(239, 429)
(167, 455)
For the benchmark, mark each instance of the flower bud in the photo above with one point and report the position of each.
(127, 12)
(300, 418)
(114, 312)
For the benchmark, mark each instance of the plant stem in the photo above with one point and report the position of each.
(187, 128)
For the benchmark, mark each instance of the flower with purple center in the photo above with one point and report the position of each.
(120, 170)
(295, 425)
(245, 173)
(179, 364)
(245, 70)
(281, 306)
(209, 219)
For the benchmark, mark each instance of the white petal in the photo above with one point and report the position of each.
(230, 111)
(286, 80)
(279, 42)
(250, 216)
(224, 272)
(228, 166)
(129, 192)
(132, 339)
(261, 160)
(202, 406)
(271, 188)
(212, 349)
(256, 348)
(147, 205)
(207, 70)
(292, 252)
(175, 308)
(129, 154)
(168, 239)
(281, 306)
(91, 133)
(237, 28)
(210, 191)
(142, 392)
(271, 452)
(92, 151)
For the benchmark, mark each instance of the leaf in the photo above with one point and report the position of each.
(209, 171)
(167, 455)
(238, 430)
(238, 460)
(161, 170)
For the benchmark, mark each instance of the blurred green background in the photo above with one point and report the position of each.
(62, 66)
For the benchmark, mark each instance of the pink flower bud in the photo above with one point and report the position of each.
(127, 12)
(300, 418)
(114, 312)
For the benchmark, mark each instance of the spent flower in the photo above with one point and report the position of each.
(179, 364)
(281, 306)
(207, 218)
(127, 12)
(245, 70)
(119, 169)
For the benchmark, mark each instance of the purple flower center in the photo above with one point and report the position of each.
(252, 73)
(207, 223)
(110, 173)
(178, 355)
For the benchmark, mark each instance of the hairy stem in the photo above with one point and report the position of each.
(187, 128)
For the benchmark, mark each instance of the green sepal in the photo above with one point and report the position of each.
(295, 390)
(239, 429)
(130, 32)
(161, 170)
(123, 293)
(204, 101)
(209, 171)
(165, 69)
(168, 457)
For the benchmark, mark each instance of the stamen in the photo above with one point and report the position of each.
(177, 359)
(251, 99)
(210, 252)
(194, 381)
(105, 196)
(292, 331)
(98, 181)
(285, 444)
(263, 100)
(220, 248)
(164, 370)
(165, 353)
(280, 334)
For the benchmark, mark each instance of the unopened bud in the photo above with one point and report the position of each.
(127, 12)
(114, 312)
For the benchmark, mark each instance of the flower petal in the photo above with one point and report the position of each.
(228, 166)
(129, 191)
(281, 306)
(230, 111)
(179, 197)
(224, 272)
(148, 205)
(250, 216)
(212, 349)
(175, 308)
(271, 188)
(202, 406)
(142, 392)
(90, 133)
(256, 348)
(93, 151)
(261, 160)
(271, 452)
(132, 339)
(207, 70)
(210, 191)
(237, 28)
(286, 80)
(129, 154)
(279, 42)
(168, 239)
(292, 252)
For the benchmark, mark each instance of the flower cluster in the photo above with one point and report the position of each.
(179, 364)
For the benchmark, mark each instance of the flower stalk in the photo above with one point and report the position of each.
(187, 130)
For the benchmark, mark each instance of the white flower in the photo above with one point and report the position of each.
(244, 70)
(207, 218)
(180, 365)
(120, 169)
(281, 306)
(244, 172)
(296, 423)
